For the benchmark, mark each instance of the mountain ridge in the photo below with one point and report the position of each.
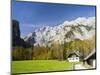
(80, 28)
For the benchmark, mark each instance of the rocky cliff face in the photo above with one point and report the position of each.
(16, 29)
(16, 39)
(81, 28)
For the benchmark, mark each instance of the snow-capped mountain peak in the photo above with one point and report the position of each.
(81, 28)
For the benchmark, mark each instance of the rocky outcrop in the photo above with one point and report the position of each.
(16, 39)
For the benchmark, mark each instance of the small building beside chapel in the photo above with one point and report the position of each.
(91, 59)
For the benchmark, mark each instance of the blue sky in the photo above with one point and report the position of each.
(33, 15)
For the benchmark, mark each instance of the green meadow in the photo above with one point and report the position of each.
(29, 66)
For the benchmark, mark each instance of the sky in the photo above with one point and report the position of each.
(34, 15)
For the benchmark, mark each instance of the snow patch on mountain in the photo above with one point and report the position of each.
(82, 21)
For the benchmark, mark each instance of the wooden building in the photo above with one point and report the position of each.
(73, 57)
(91, 59)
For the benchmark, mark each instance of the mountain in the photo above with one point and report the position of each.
(16, 39)
(80, 28)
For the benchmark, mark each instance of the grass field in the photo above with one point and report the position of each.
(40, 66)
